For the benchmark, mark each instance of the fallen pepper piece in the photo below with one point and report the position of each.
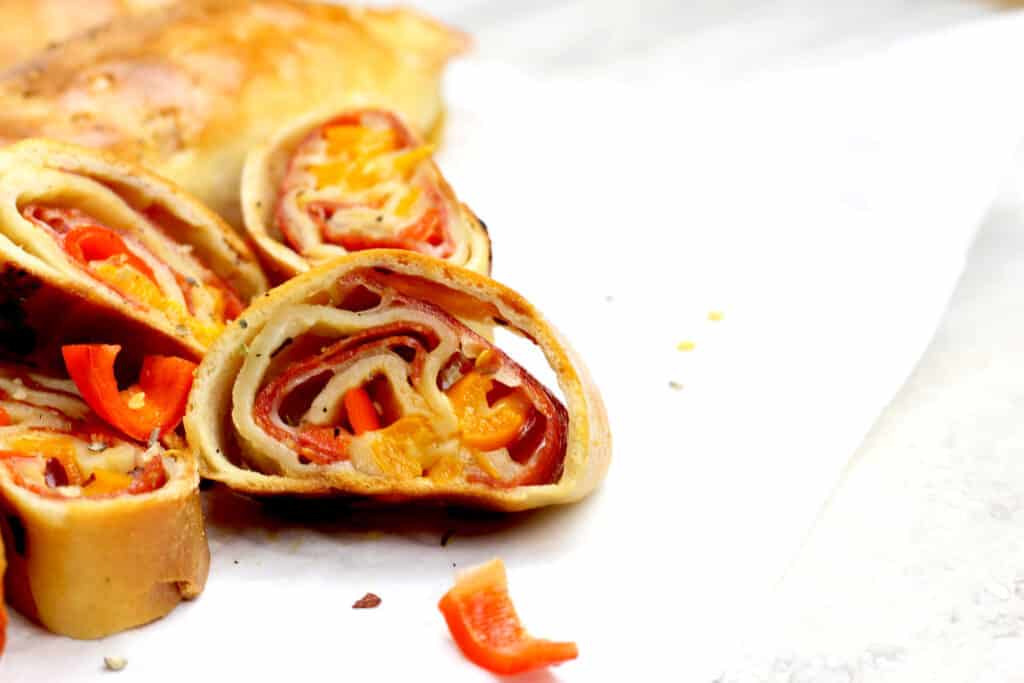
(164, 383)
(485, 626)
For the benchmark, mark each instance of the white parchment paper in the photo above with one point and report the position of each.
(825, 212)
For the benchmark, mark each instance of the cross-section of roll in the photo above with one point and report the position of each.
(369, 376)
(120, 241)
(357, 180)
(102, 533)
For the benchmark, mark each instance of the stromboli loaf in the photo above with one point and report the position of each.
(101, 533)
(44, 23)
(327, 185)
(95, 247)
(188, 90)
(365, 377)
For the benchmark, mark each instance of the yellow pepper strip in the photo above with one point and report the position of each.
(359, 140)
(402, 164)
(331, 173)
(398, 447)
(407, 201)
(136, 286)
(128, 281)
(483, 426)
(105, 483)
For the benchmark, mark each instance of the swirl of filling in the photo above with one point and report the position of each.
(363, 180)
(391, 386)
(148, 269)
(52, 444)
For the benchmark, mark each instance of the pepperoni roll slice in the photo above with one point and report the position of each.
(120, 242)
(375, 375)
(102, 532)
(359, 180)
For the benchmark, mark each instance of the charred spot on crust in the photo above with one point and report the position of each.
(481, 222)
(18, 536)
(16, 287)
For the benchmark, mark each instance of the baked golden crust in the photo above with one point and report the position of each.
(87, 568)
(477, 302)
(51, 298)
(264, 174)
(188, 90)
(41, 24)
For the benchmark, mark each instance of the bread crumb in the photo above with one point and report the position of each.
(115, 663)
(715, 316)
(368, 601)
(685, 346)
(672, 384)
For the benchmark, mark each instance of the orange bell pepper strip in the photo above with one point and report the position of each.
(361, 413)
(484, 426)
(164, 383)
(485, 626)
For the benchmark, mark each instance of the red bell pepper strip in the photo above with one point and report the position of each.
(5, 419)
(485, 626)
(96, 243)
(164, 380)
(361, 413)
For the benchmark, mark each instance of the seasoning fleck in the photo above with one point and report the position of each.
(97, 446)
(115, 663)
(447, 536)
(685, 346)
(181, 330)
(243, 323)
(715, 316)
(368, 601)
(672, 384)
(192, 281)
